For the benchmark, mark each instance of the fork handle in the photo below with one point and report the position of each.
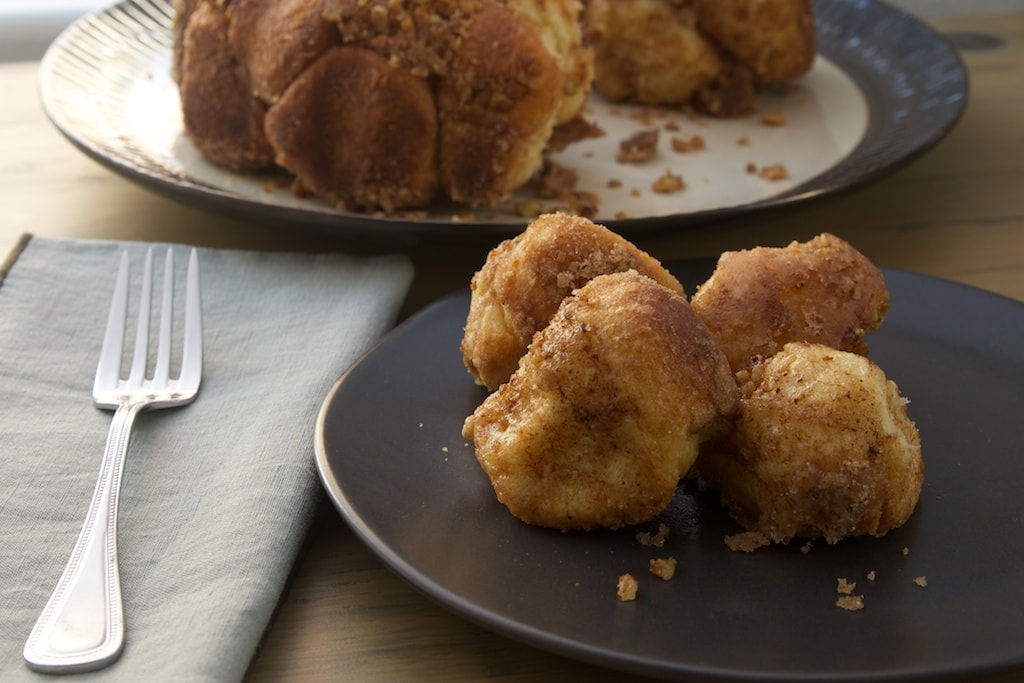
(81, 628)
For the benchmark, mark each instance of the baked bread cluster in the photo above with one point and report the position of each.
(714, 55)
(396, 105)
(606, 412)
(621, 386)
(382, 104)
(526, 278)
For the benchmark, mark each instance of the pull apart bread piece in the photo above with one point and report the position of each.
(712, 54)
(823, 448)
(525, 279)
(607, 410)
(382, 104)
(821, 291)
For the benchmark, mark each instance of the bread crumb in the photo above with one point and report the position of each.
(747, 541)
(556, 180)
(648, 115)
(806, 547)
(850, 603)
(751, 168)
(583, 203)
(614, 184)
(871, 575)
(921, 581)
(743, 141)
(627, 587)
(656, 539)
(773, 118)
(687, 145)
(906, 551)
(844, 587)
(668, 183)
(774, 172)
(638, 147)
(663, 567)
(574, 131)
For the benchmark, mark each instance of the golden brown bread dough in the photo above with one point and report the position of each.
(822, 290)
(649, 51)
(524, 280)
(497, 108)
(713, 54)
(607, 410)
(775, 39)
(223, 119)
(344, 123)
(277, 40)
(823, 447)
(469, 91)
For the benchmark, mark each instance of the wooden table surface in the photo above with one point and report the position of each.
(955, 212)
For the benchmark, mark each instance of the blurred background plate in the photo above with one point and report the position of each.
(884, 89)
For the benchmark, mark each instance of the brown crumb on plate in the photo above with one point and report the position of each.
(627, 587)
(663, 567)
(656, 539)
(687, 145)
(668, 183)
(555, 180)
(774, 172)
(850, 603)
(747, 541)
(638, 147)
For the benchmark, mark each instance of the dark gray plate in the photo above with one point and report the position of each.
(105, 84)
(390, 454)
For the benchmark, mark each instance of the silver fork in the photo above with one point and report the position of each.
(82, 627)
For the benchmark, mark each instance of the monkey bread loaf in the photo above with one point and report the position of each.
(382, 104)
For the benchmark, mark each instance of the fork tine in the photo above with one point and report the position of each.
(108, 370)
(162, 370)
(192, 354)
(137, 375)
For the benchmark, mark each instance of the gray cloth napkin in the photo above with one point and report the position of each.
(217, 496)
